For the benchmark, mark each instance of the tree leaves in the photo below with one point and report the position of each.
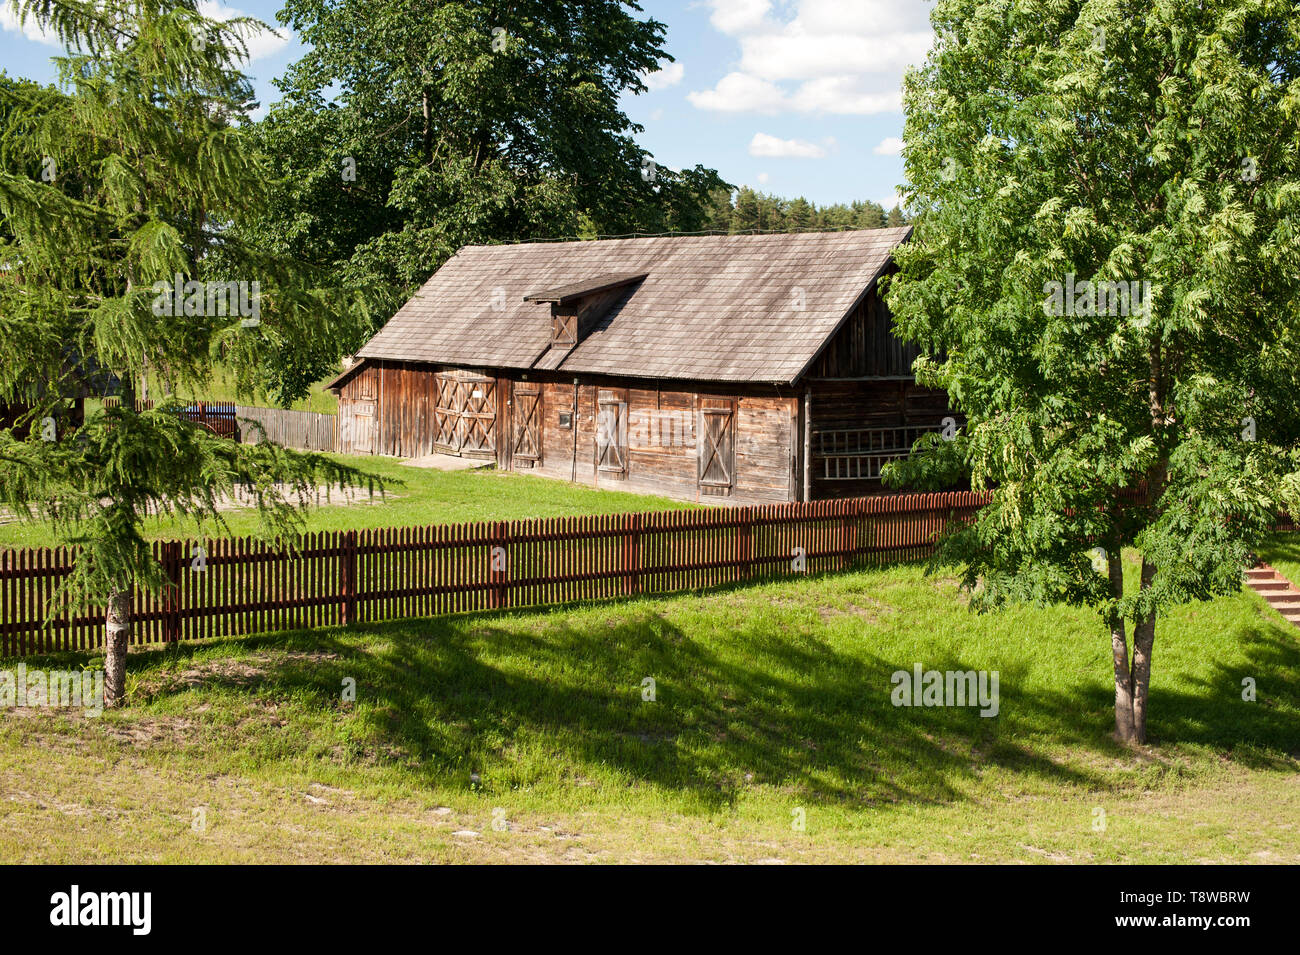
(1082, 143)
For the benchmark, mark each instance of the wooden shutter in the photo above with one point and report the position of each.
(564, 328)
(611, 437)
(717, 449)
(527, 412)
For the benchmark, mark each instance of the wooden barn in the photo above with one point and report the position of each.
(745, 369)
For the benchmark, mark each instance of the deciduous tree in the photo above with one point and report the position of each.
(1106, 277)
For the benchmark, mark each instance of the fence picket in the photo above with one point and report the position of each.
(331, 578)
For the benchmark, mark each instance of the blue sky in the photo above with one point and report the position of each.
(793, 97)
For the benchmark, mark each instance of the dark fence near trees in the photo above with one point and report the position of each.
(228, 587)
(217, 416)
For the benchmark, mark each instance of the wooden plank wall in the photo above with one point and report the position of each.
(869, 404)
(865, 346)
(663, 439)
(404, 398)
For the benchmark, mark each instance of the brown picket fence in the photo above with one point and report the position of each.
(235, 586)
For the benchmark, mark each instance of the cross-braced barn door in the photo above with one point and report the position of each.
(446, 416)
(717, 449)
(611, 437)
(464, 419)
(526, 404)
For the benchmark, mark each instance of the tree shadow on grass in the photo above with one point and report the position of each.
(560, 703)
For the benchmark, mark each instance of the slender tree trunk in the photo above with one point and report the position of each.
(1124, 726)
(1144, 638)
(426, 135)
(118, 632)
(117, 623)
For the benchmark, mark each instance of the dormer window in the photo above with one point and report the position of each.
(564, 327)
(576, 308)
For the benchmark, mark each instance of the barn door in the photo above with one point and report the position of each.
(526, 432)
(611, 436)
(446, 415)
(464, 417)
(362, 423)
(361, 419)
(479, 417)
(717, 448)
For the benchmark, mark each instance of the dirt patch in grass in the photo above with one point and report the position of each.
(231, 671)
(147, 732)
(871, 613)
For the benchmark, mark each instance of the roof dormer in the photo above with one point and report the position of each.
(576, 308)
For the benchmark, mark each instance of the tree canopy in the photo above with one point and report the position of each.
(410, 129)
(1105, 275)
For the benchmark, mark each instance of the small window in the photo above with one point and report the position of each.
(564, 328)
(566, 420)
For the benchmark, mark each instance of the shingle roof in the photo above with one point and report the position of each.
(714, 308)
(577, 290)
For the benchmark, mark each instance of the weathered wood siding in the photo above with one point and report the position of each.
(388, 408)
(699, 441)
(840, 405)
(305, 430)
(661, 435)
(865, 346)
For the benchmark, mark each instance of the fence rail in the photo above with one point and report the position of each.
(217, 416)
(229, 587)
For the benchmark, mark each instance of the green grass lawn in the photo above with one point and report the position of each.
(426, 496)
(772, 704)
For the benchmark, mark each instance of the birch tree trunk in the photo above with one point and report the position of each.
(117, 634)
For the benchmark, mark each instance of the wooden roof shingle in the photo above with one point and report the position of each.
(715, 308)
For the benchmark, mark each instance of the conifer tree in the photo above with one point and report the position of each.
(116, 196)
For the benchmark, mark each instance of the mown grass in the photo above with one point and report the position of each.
(771, 701)
(415, 496)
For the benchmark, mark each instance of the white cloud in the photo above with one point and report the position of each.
(762, 177)
(31, 29)
(889, 146)
(829, 57)
(670, 75)
(657, 114)
(738, 92)
(260, 44)
(764, 145)
(841, 94)
(797, 56)
(738, 16)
